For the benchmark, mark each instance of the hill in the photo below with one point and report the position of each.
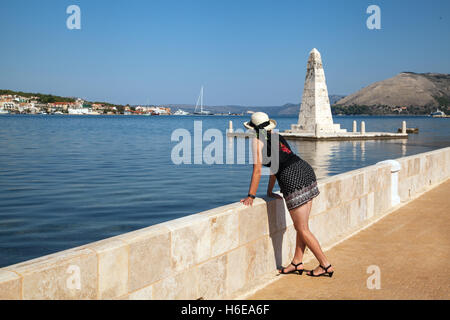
(43, 98)
(407, 89)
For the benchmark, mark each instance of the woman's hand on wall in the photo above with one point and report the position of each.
(247, 201)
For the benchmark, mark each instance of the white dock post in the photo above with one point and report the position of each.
(354, 126)
(363, 127)
(403, 126)
(395, 168)
(230, 126)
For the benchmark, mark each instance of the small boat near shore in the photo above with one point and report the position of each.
(409, 130)
(180, 112)
(439, 114)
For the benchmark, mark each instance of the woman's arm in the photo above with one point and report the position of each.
(272, 180)
(257, 167)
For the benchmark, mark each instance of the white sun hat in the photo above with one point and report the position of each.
(260, 120)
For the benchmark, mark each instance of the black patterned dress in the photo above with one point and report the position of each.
(295, 176)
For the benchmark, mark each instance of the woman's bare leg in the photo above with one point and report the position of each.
(299, 249)
(300, 217)
(298, 256)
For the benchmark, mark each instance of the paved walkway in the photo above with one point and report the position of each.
(411, 246)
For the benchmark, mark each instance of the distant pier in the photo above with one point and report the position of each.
(329, 136)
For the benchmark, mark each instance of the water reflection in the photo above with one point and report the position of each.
(318, 154)
(327, 157)
(333, 157)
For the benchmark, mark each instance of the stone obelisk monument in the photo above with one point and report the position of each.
(315, 111)
(315, 121)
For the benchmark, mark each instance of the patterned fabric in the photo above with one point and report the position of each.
(285, 155)
(298, 184)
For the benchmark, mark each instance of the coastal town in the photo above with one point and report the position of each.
(12, 102)
(17, 104)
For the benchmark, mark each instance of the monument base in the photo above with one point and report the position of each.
(318, 129)
(342, 136)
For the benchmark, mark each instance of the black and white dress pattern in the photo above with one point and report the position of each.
(298, 184)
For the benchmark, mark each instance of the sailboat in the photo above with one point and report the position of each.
(200, 100)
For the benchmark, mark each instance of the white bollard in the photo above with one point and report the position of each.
(354, 126)
(395, 168)
(230, 126)
(403, 126)
(363, 127)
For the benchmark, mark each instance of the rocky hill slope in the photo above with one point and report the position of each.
(405, 89)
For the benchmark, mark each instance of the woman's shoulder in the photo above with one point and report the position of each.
(280, 137)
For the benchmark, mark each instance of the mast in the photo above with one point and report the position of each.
(201, 100)
(198, 100)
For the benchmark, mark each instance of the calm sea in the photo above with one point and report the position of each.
(69, 180)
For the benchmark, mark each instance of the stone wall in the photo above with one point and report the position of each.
(422, 171)
(218, 253)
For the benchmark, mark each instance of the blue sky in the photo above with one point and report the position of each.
(246, 52)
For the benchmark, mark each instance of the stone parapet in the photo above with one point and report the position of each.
(221, 252)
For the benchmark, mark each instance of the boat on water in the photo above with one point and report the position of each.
(200, 101)
(3, 111)
(180, 112)
(437, 113)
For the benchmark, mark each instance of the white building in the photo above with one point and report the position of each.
(9, 105)
(80, 110)
(158, 110)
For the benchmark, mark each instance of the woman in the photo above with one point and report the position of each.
(298, 185)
